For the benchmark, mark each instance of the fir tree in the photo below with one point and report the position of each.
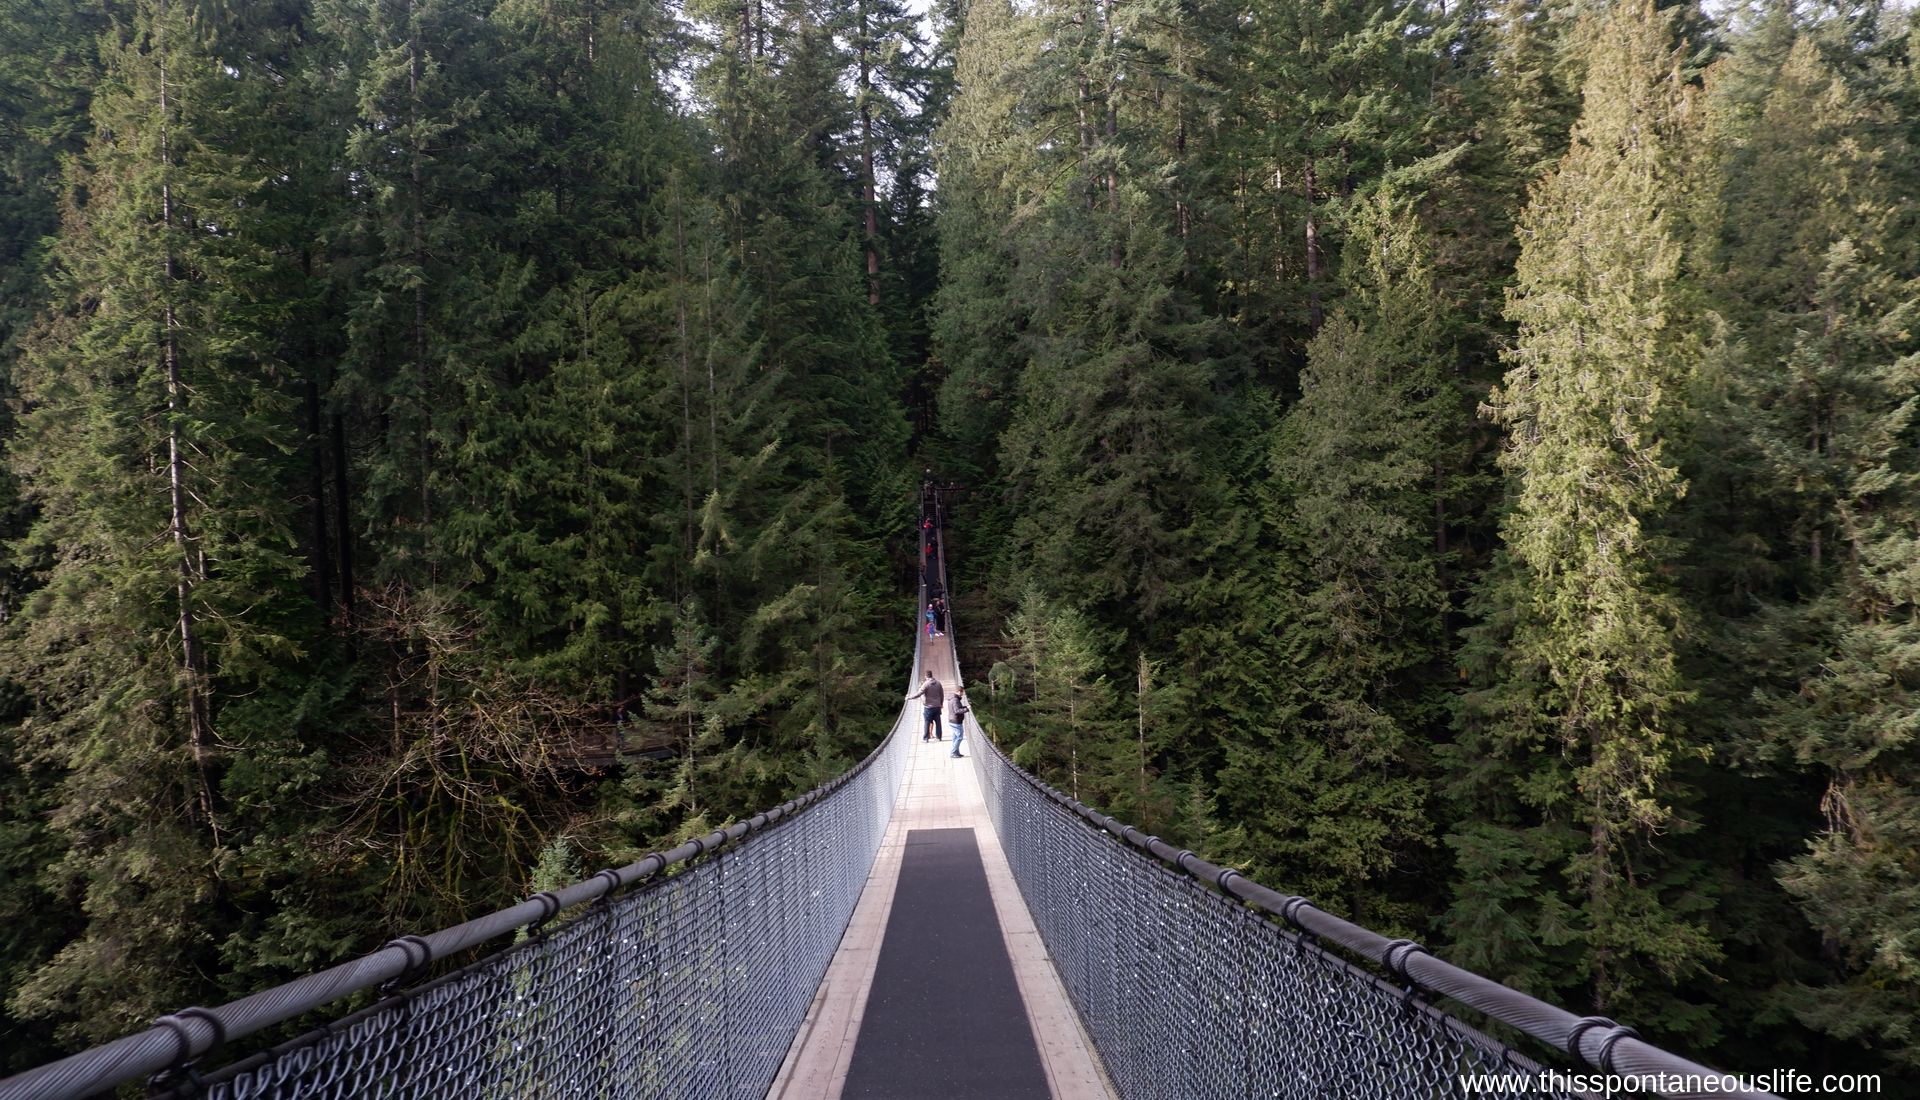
(448, 442)
(1355, 458)
(1122, 369)
(977, 317)
(1056, 660)
(48, 67)
(1572, 746)
(1327, 98)
(427, 375)
(809, 431)
(164, 649)
(1819, 398)
(1842, 699)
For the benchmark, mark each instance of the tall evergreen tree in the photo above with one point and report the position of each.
(889, 78)
(1842, 699)
(1121, 368)
(1819, 401)
(1326, 97)
(426, 286)
(1563, 887)
(48, 67)
(978, 318)
(164, 649)
(1345, 818)
(449, 440)
(1055, 661)
(812, 435)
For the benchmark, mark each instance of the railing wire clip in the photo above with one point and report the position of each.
(1580, 1027)
(1607, 1045)
(549, 908)
(412, 945)
(185, 1058)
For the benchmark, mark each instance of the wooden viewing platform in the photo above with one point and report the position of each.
(941, 986)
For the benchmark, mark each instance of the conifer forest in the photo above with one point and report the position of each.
(1458, 460)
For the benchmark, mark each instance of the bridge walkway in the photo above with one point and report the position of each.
(853, 1042)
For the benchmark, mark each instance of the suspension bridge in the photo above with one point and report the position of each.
(921, 926)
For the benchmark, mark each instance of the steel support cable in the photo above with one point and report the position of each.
(182, 1038)
(1072, 931)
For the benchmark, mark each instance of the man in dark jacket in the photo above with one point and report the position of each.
(959, 719)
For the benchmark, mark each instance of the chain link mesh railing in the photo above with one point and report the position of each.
(1194, 981)
(1187, 993)
(687, 975)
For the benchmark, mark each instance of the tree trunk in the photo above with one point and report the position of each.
(1597, 903)
(418, 248)
(873, 216)
(1116, 254)
(713, 386)
(1316, 315)
(342, 529)
(1814, 547)
(199, 724)
(866, 162)
(689, 522)
(320, 558)
(1086, 142)
(1182, 212)
(1073, 739)
(319, 554)
(1143, 685)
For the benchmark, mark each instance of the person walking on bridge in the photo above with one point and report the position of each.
(932, 695)
(959, 721)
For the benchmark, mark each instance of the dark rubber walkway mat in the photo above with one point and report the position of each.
(944, 1019)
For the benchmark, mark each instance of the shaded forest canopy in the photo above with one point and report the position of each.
(1452, 460)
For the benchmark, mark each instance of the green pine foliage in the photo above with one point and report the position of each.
(454, 443)
(1054, 664)
(1843, 702)
(49, 66)
(1118, 365)
(48, 69)
(398, 371)
(978, 317)
(1573, 744)
(166, 649)
(1529, 709)
(1327, 98)
(1806, 250)
(1355, 458)
(1809, 500)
